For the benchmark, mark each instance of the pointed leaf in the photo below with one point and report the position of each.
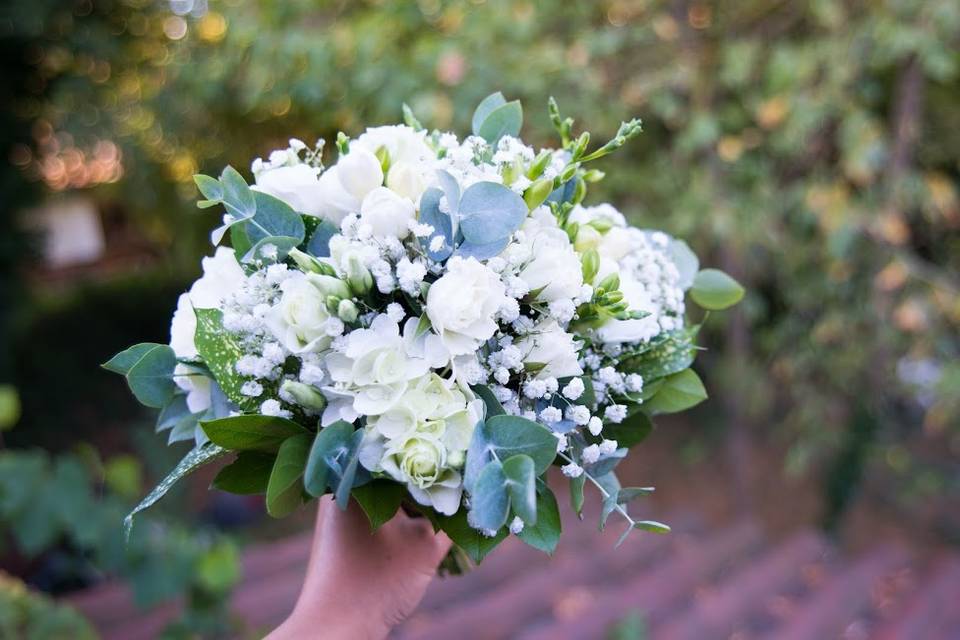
(248, 474)
(251, 432)
(473, 542)
(220, 352)
(380, 500)
(284, 489)
(679, 392)
(195, 459)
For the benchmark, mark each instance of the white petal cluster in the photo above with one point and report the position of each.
(394, 323)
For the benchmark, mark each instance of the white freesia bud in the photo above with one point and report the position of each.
(358, 276)
(298, 186)
(330, 286)
(359, 172)
(304, 395)
(347, 311)
(406, 180)
(388, 214)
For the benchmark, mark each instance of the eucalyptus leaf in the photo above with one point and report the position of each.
(451, 189)
(319, 244)
(237, 197)
(610, 484)
(489, 501)
(506, 436)
(504, 120)
(333, 462)
(576, 494)
(521, 487)
(196, 458)
(469, 249)
(442, 224)
(545, 534)
(284, 489)
(606, 463)
(251, 432)
(148, 368)
(490, 212)
(484, 109)
(715, 290)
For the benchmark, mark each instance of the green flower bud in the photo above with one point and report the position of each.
(569, 171)
(333, 303)
(610, 283)
(305, 261)
(587, 238)
(539, 164)
(612, 297)
(329, 285)
(358, 276)
(347, 311)
(590, 264)
(572, 228)
(579, 191)
(594, 175)
(537, 193)
(384, 157)
(601, 224)
(580, 146)
(304, 395)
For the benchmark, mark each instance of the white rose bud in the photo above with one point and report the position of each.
(358, 276)
(388, 214)
(554, 347)
(298, 319)
(298, 186)
(405, 180)
(359, 172)
(304, 395)
(347, 311)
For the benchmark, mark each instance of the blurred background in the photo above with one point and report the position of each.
(810, 149)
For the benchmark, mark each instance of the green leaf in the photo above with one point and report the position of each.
(668, 353)
(576, 494)
(634, 429)
(148, 368)
(124, 361)
(248, 474)
(504, 120)
(679, 392)
(473, 542)
(545, 534)
(685, 260)
(284, 489)
(220, 352)
(493, 406)
(195, 459)
(209, 187)
(9, 406)
(490, 212)
(507, 436)
(715, 290)
(606, 463)
(521, 487)
(251, 432)
(489, 502)
(380, 500)
(484, 109)
(238, 198)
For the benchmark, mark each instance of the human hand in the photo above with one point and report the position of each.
(360, 584)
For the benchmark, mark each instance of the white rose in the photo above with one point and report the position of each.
(359, 172)
(298, 186)
(634, 330)
(403, 143)
(183, 328)
(196, 385)
(222, 276)
(550, 345)
(461, 305)
(554, 267)
(406, 180)
(388, 214)
(334, 202)
(298, 319)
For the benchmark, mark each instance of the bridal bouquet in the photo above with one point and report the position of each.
(428, 323)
